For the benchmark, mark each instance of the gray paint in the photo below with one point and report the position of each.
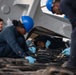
(58, 25)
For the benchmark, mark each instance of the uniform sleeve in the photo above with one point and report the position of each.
(10, 38)
(67, 9)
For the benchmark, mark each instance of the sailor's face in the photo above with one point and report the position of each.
(1, 25)
(21, 30)
(56, 8)
(40, 44)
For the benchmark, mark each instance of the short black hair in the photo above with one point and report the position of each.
(42, 38)
(1, 19)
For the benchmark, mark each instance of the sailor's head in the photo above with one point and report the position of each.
(53, 6)
(25, 26)
(1, 24)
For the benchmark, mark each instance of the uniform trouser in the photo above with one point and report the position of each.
(72, 59)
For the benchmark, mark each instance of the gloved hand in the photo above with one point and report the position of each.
(28, 42)
(32, 49)
(30, 59)
(66, 51)
(47, 43)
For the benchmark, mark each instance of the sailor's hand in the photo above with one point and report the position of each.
(47, 43)
(32, 49)
(30, 59)
(66, 51)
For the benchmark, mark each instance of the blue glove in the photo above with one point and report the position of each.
(28, 42)
(30, 59)
(66, 51)
(32, 49)
(47, 43)
(65, 17)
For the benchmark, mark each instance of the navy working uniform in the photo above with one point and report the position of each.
(68, 7)
(12, 44)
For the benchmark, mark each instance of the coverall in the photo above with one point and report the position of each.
(68, 7)
(12, 44)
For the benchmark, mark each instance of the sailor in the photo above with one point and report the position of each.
(47, 42)
(12, 41)
(68, 7)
